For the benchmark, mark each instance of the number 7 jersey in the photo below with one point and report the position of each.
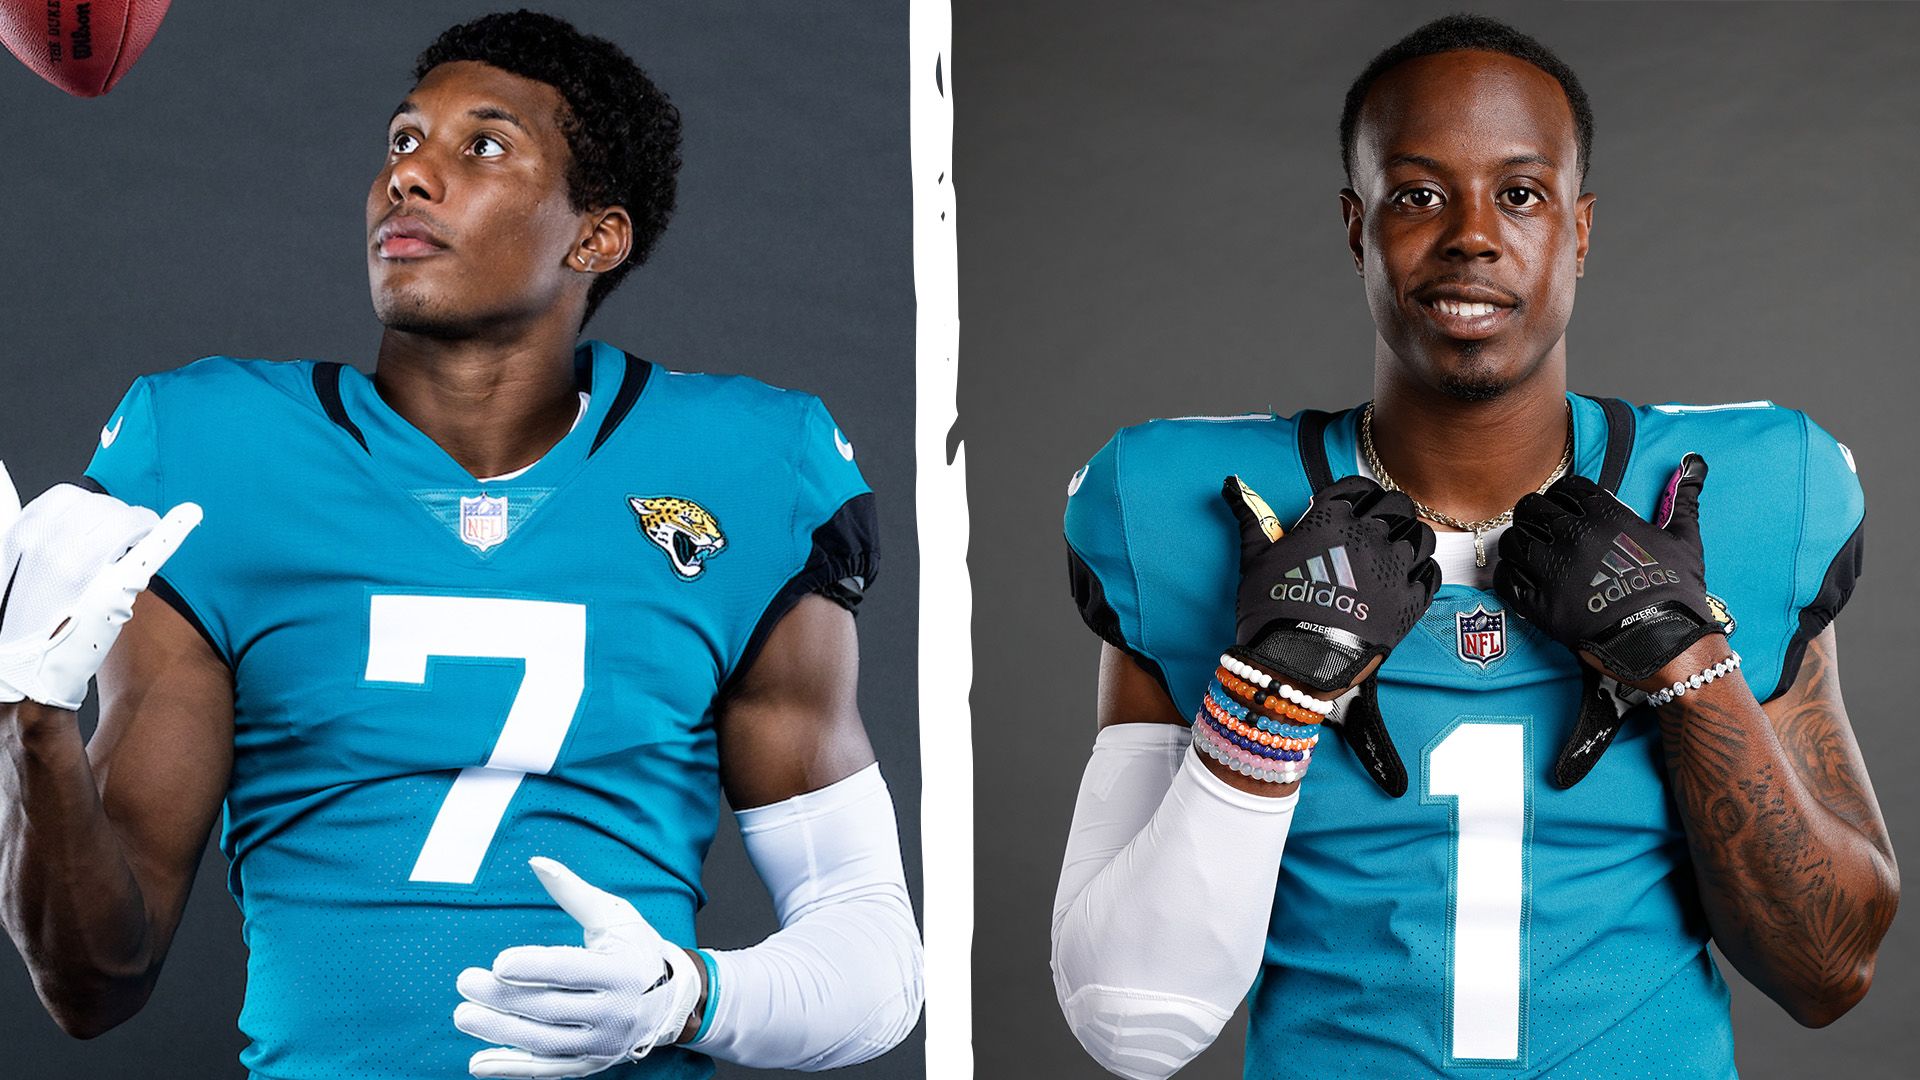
(436, 678)
(1487, 923)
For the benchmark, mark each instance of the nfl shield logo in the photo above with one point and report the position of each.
(483, 521)
(1483, 634)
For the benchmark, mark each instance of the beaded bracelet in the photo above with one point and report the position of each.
(1219, 692)
(1240, 729)
(1250, 765)
(1209, 742)
(1695, 681)
(1274, 704)
(1267, 682)
(1218, 731)
(1251, 746)
(1264, 745)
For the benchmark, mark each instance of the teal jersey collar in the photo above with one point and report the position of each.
(1602, 439)
(614, 381)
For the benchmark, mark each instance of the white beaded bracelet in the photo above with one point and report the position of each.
(1267, 682)
(1694, 682)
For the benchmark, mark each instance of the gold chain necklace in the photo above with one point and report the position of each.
(1479, 529)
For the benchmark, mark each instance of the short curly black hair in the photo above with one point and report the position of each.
(1453, 33)
(622, 131)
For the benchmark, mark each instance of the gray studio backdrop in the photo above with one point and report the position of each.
(213, 204)
(1148, 227)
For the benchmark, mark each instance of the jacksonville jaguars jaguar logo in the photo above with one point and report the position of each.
(682, 528)
(1717, 608)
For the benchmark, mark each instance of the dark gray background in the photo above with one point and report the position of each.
(1148, 227)
(213, 203)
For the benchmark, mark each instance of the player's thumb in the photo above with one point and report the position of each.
(1680, 504)
(596, 910)
(9, 499)
(1258, 525)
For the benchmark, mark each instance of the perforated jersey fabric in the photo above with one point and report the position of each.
(437, 678)
(1579, 947)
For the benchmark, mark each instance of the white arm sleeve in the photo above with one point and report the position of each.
(840, 982)
(1165, 894)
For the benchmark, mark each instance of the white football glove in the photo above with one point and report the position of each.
(71, 565)
(565, 1011)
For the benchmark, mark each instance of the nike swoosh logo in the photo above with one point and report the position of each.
(842, 445)
(108, 434)
(7, 597)
(1073, 485)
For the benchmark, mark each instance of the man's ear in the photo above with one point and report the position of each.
(1353, 213)
(605, 243)
(1583, 228)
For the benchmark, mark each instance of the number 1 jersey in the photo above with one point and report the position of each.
(436, 678)
(1487, 922)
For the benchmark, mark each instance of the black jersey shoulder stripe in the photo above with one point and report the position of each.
(1311, 430)
(326, 387)
(1620, 430)
(632, 382)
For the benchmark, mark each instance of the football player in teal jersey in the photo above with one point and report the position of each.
(1535, 703)
(464, 654)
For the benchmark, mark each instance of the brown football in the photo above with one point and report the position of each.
(81, 46)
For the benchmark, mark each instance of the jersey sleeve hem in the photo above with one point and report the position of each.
(1090, 597)
(1106, 543)
(843, 561)
(1835, 589)
(1827, 492)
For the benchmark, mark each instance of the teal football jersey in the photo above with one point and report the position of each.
(436, 678)
(1488, 922)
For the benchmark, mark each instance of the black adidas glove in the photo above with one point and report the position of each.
(1589, 572)
(1585, 569)
(1321, 600)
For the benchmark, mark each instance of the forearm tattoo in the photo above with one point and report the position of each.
(1789, 850)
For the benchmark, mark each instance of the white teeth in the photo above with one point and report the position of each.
(1470, 311)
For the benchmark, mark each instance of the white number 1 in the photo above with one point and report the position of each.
(551, 637)
(1482, 767)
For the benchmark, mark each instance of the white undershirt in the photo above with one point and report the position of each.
(576, 423)
(1454, 550)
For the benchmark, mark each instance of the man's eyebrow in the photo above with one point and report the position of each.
(478, 112)
(1426, 162)
(495, 112)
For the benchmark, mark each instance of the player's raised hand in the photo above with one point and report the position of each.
(1627, 594)
(1320, 601)
(567, 1011)
(73, 562)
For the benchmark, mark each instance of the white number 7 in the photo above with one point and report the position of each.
(551, 637)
